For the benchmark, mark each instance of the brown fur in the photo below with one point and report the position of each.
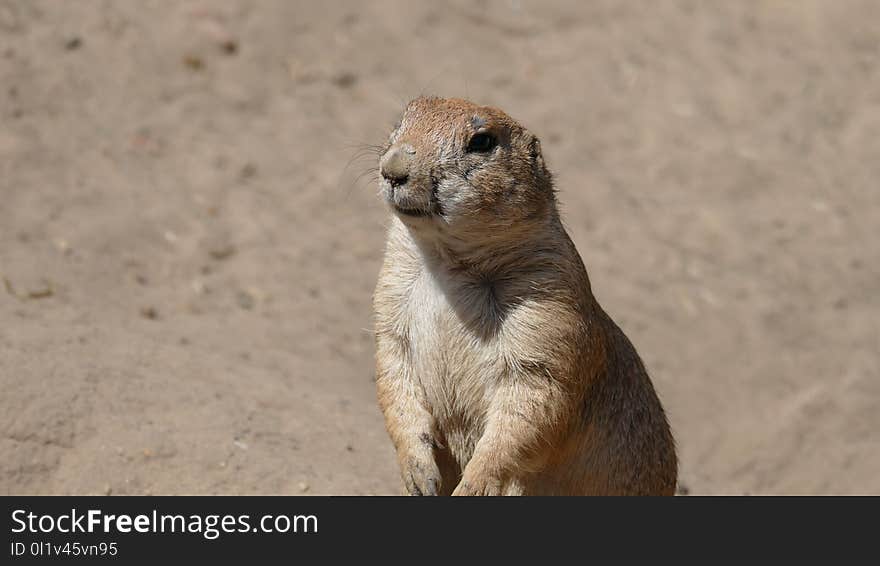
(497, 370)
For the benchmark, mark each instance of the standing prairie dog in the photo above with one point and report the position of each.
(497, 371)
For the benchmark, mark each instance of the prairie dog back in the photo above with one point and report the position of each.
(497, 370)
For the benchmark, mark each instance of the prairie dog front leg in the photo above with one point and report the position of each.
(409, 423)
(526, 415)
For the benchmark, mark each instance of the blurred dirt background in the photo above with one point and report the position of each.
(187, 259)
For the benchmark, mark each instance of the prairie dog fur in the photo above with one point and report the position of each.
(498, 373)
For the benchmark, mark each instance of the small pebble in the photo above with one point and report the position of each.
(229, 46)
(42, 290)
(345, 79)
(194, 63)
(149, 313)
(222, 250)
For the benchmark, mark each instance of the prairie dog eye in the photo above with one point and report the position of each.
(482, 142)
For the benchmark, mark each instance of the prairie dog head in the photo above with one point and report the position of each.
(458, 168)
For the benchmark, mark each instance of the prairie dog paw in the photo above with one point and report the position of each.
(479, 485)
(421, 475)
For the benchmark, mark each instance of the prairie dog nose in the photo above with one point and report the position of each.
(395, 164)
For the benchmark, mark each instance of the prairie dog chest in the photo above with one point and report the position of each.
(454, 350)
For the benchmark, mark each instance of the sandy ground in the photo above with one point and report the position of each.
(187, 262)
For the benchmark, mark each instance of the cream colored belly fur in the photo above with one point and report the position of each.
(456, 369)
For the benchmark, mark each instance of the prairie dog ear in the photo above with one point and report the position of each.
(535, 153)
(542, 176)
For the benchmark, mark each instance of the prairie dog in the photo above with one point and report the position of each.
(498, 373)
